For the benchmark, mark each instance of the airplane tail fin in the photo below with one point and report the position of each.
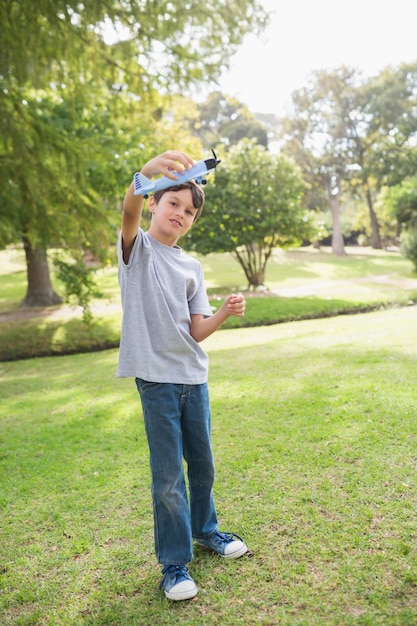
(140, 181)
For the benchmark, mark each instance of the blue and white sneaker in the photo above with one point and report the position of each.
(177, 583)
(227, 545)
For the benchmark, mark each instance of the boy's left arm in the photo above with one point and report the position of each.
(202, 327)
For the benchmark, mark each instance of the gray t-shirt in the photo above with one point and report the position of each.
(161, 287)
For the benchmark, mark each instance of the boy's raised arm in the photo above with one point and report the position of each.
(167, 164)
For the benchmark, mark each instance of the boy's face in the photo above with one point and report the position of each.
(172, 216)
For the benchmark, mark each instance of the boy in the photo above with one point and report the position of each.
(166, 314)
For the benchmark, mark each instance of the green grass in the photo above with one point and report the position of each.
(314, 434)
(303, 284)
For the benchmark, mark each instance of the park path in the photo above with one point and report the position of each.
(312, 288)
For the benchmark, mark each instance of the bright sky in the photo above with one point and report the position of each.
(308, 35)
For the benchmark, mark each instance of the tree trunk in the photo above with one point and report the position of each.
(375, 237)
(256, 279)
(253, 262)
(338, 244)
(40, 291)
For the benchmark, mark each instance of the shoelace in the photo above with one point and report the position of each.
(173, 571)
(221, 538)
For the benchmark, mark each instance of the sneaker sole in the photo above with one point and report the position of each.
(232, 555)
(181, 595)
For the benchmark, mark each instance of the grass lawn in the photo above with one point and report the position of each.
(315, 440)
(302, 284)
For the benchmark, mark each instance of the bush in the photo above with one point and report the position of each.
(409, 247)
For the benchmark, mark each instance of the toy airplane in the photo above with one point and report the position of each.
(143, 186)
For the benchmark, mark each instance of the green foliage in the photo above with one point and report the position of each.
(51, 193)
(317, 132)
(351, 136)
(254, 205)
(80, 284)
(222, 119)
(402, 202)
(77, 113)
(409, 246)
(387, 224)
(159, 43)
(389, 117)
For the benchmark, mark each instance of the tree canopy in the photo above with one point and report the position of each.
(80, 109)
(254, 205)
(221, 118)
(353, 135)
(165, 43)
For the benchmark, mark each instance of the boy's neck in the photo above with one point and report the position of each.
(160, 238)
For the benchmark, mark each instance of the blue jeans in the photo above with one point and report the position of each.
(177, 423)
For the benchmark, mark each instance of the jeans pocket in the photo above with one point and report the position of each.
(144, 386)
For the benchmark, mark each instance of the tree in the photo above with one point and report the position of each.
(402, 202)
(223, 119)
(385, 132)
(390, 111)
(354, 135)
(254, 205)
(59, 182)
(318, 137)
(66, 97)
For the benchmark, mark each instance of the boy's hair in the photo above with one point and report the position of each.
(196, 192)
